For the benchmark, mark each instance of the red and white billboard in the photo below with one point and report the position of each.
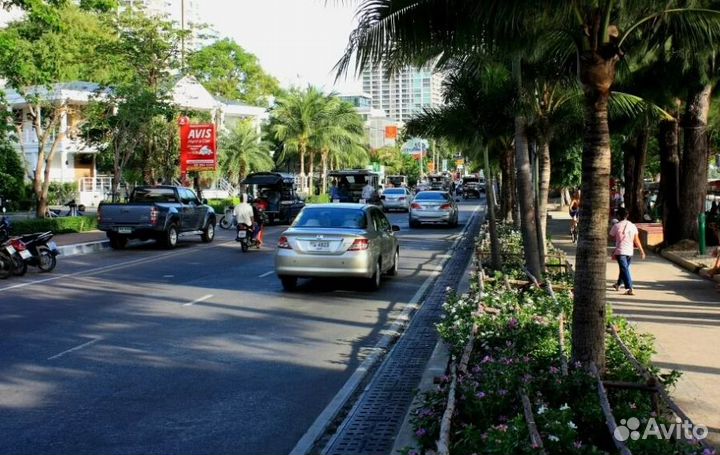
(198, 147)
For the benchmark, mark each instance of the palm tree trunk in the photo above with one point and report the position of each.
(324, 171)
(495, 260)
(311, 174)
(670, 181)
(528, 227)
(588, 321)
(544, 164)
(508, 187)
(303, 182)
(634, 159)
(694, 167)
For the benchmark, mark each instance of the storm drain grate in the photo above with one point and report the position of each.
(372, 425)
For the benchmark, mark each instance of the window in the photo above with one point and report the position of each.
(331, 218)
(380, 221)
(145, 194)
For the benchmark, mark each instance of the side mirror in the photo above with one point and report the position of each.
(382, 198)
(204, 201)
(395, 228)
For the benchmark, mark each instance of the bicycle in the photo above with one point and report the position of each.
(228, 221)
(574, 230)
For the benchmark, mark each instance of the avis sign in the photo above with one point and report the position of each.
(198, 147)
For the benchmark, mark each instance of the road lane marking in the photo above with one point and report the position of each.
(266, 274)
(321, 424)
(76, 348)
(201, 299)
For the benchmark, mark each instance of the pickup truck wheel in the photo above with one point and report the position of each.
(171, 237)
(209, 232)
(118, 242)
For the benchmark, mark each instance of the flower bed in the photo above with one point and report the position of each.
(517, 351)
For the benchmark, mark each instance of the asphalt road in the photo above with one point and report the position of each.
(190, 351)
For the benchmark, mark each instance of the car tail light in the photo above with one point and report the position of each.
(154, 215)
(415, 205)
(445, 207)
(17, 244)
(284, 243)
(262, 205)
(359, 245)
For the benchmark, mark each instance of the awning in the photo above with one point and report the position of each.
(263, 178)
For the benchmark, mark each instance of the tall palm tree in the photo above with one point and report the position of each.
(242, 151)
(599, 32)
(295, 121)
(340, 135)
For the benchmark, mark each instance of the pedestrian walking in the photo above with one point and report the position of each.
(626, 238)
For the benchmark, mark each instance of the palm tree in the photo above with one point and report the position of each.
(598, 32)
(242, 151)
(295, 121)
(340, 135)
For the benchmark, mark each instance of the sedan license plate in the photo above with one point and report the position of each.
(25, 254)
(125, 230)
(320, 245)
(241, 234)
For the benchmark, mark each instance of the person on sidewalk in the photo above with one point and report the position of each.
(626, 238)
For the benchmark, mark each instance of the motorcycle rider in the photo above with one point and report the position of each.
(258, 225)
(244, 213)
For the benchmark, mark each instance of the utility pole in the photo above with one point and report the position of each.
(182, 37)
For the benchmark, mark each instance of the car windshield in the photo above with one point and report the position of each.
(153, 195)
(394, 191)
(431, 197)
(331, 218)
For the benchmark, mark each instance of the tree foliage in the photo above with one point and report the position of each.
(229, 71)
(242, 151)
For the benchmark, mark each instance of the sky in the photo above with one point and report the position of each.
(297, 41)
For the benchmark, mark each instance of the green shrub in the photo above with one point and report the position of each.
(219, 204)
(62, 193)
(318, 199)
(60, 225)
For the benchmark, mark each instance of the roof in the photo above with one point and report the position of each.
(77, 91)
(352, 172)
(267, 178)
(340, 205)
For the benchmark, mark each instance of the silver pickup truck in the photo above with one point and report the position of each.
(162, 213)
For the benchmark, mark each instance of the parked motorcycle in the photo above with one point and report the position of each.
(245, 237)
(5, 228)
(38, 250)
(11, 259)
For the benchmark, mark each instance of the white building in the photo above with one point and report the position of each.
(404, 94)
(379, 128)
(74, 161)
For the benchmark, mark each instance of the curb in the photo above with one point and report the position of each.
(436, 366)
(689, 265)
(77, 249)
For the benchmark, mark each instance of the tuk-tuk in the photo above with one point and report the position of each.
(439, 182)
(274, 194)
(395, 181)
(472, 186)
(350, 184)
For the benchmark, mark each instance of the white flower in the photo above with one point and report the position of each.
(541, 409)
(553, 438)
(564, 407)
(572, 425)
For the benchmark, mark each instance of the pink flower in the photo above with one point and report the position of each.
(633, 406)
(487, 359)
(577, 444)
(554, 370)
(480, 395)
(502, 392)
(502, 427)
(513, 323)
(421, 432)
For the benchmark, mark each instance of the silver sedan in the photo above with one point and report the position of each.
(396, 199)
(433, 207)
(338, 240)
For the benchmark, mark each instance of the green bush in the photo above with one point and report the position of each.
(219, 204)
(60, 225)
(62, 193)
(318, 199)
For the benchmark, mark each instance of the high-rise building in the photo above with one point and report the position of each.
(380, 130)
(405, 93)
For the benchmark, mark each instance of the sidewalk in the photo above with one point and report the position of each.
(682, 311)
(81, 242)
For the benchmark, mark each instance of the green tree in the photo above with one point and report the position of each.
(34, 57)
(598, 33)
(242, 151)
(229, 71)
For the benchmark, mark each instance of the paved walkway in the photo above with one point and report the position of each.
(682, 311)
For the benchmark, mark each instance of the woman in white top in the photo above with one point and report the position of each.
(626, 238)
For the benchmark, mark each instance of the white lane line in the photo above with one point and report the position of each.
(76, 348)
(201, 299)
(266, 274)
(390, 335)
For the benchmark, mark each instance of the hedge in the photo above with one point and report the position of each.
(60, 225)
(219, 204)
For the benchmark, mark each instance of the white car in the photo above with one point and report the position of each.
(396, 199)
